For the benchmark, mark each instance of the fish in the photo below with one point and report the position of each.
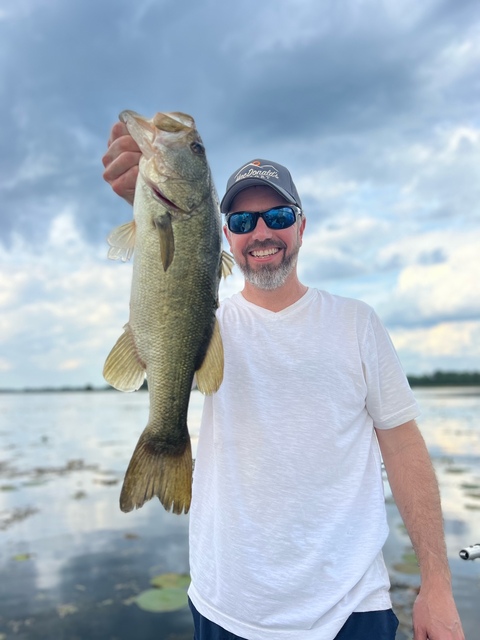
(172, 337)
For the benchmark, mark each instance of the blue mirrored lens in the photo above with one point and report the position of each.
(281, 218)
(242, 222)
(246, 221)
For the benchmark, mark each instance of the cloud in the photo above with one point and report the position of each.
(64, 314)
(436, 291)
(447, 346)
(373, 106)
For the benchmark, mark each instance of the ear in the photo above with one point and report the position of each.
(226, 231)
(301, 228)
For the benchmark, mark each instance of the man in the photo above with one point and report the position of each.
(288, 475)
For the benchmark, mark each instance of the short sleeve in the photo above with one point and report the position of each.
(390, 400)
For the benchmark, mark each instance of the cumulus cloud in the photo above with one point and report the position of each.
(447, 345)
(63, 306)
(373, 106)
(436, 291)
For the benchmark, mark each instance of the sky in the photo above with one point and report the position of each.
(374, 105)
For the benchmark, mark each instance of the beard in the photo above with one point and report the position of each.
(268, 277)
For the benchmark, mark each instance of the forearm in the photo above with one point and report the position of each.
(415, 490)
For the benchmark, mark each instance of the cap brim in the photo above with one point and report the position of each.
(251, 182)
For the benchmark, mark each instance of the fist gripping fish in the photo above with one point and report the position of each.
(172, 333)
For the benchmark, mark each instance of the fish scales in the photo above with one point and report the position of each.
(172, 331)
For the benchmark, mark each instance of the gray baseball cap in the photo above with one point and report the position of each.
(261, 173)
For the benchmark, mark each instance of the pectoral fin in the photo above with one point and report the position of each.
(123, 368)
(167, 240)
(122, 242)
(210, 375)
(227, 264)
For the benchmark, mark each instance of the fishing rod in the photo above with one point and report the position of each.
(470, 553)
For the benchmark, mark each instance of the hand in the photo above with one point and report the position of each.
(435, 616)
(121, 162)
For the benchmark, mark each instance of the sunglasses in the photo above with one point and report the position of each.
(276, 218)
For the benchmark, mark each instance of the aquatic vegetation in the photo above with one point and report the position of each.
(408, 565)
(171, 581)
(8, 518)
(21, 557)
(470, 485)
(169, 594)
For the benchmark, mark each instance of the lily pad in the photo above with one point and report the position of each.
(470, 485)
(473, 494)
(8, 487)
(66, 610)
(34, 483)
(171, 581)
(404, 567)
(408, 565)
(455, 470)
(161, 600)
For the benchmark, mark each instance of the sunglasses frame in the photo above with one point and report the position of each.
(261, 214)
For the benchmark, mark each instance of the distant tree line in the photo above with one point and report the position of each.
(446, 378)
(435, 379)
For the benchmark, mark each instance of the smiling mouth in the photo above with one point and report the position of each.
(264, 249)
(264, 253)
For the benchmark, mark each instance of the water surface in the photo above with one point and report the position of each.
(71, 562)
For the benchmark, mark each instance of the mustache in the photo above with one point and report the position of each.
(258, 245)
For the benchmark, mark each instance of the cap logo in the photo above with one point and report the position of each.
(256, 170)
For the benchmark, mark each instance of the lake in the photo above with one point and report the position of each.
(72, 564)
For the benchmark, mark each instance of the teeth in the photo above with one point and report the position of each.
(265, 252)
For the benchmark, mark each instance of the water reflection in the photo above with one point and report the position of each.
(70, 559)
(449, 421)
(90, 595)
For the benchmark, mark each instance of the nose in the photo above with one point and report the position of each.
(261, 231)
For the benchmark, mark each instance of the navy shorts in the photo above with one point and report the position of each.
(369, 625)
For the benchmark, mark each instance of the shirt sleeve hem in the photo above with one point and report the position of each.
(398, 418)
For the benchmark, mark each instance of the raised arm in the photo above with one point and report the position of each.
(121, 162)
(415, 489)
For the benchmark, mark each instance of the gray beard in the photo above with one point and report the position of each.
(268, 277)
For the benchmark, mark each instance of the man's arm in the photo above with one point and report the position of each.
(415, 489)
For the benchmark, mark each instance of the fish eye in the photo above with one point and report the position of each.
(197, 148)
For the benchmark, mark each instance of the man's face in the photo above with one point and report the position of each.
(266, 256)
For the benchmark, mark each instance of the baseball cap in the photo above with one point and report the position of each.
(261, 173)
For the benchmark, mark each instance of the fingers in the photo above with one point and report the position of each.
(119, 141)
(119, 129)
(121, 162)
(124, 184)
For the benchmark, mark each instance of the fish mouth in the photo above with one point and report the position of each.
(160, 197)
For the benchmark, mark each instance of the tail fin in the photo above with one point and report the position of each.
(155, 473)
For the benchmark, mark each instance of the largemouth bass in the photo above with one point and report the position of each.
(172, 333)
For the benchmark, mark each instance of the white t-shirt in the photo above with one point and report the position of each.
(288, 516)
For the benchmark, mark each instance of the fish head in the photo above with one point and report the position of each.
(174, 163)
